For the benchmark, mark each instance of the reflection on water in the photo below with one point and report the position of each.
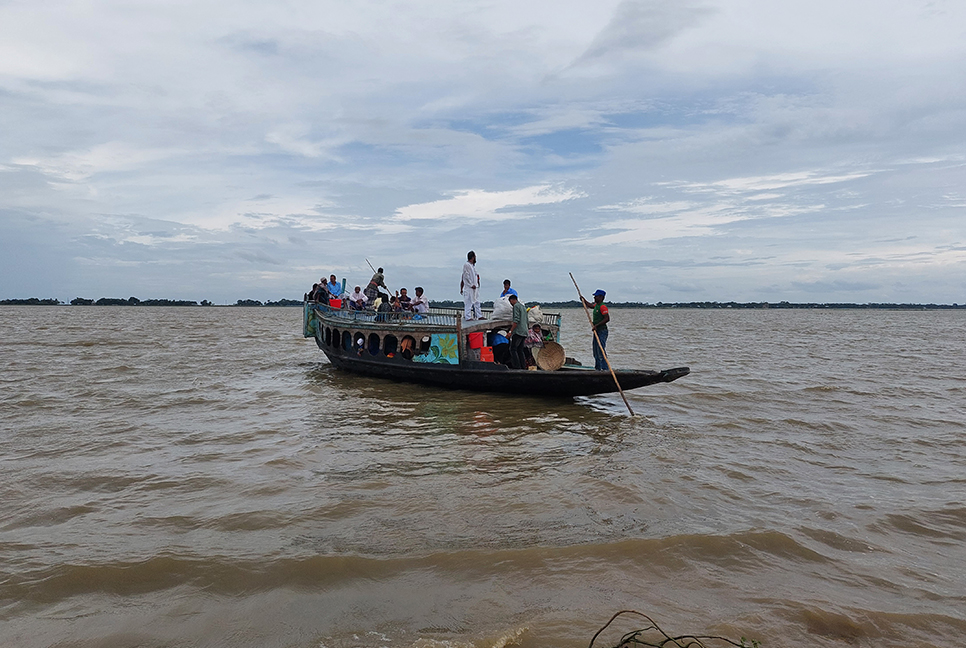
(203, 476)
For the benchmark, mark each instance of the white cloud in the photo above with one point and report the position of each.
(641, 26)
(474, 205)
(269, 212)
(772, 182)
(645, 206)
(675, 220)
(79, 165)
(293, 138)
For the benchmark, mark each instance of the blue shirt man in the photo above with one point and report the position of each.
(335, 288)
(501, 348)
(507, 290)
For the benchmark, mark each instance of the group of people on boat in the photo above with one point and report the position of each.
(335, 294)
(326, 290)
(470, 289)
(513, 346)
(522, 354)
(521, 336)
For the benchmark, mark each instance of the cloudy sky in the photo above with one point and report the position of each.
(663, 150)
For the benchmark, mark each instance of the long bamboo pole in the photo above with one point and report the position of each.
(597, 337)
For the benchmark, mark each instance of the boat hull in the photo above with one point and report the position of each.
(565, 382)
(369, 344)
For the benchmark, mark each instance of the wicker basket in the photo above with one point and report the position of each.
(551, 356)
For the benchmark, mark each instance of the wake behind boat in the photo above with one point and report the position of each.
(439, 348)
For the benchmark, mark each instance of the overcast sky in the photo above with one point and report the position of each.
(745, 150)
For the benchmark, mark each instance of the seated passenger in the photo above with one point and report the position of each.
(405, 303)
(383, 307)
(334, 288)
(406, 347)
(420, 303)
(501, 347)
(534, 338)
(507, 291)
(319, 293)
(534, 341)
(357, 300)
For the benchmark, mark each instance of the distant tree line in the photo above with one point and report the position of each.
(750, 305)
(33, 301)
(573, 303)
(782, 304)
(134, 301)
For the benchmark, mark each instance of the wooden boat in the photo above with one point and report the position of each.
(436, 348)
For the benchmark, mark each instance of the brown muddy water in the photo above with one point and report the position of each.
(203, 477)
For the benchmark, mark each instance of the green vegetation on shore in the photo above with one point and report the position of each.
(724, 305)
(33, 301)
(134, 301)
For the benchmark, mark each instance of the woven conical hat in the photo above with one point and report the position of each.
(551, 356)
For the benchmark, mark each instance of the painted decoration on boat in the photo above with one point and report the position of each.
(309, 322)
(442, 350)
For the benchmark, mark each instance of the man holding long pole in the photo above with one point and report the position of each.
(599, 323)
(600, 319)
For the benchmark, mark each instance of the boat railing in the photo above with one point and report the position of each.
(550, 319)
(437, 316)
(389, 318)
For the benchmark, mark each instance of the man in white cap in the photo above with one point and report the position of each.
(357, 300)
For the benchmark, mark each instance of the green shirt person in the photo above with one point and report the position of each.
(601, 318)
(518, 333)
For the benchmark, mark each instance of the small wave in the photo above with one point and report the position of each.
(840, 542)
(836, 626)
(48, 518)
(233, 576)
(105, 343)
(219, 576)
(508, 638)
(941, 525)
(868, 627)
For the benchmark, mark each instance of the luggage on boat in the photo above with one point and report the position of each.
(535, 315)
(503, 309)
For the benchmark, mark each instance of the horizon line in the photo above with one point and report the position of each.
(572, 303)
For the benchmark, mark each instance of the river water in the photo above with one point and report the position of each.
(203, 477)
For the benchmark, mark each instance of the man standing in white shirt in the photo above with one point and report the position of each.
(470, 287)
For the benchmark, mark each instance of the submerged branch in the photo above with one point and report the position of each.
(654, 636)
